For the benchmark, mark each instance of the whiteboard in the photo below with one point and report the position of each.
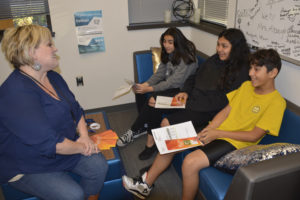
(271, 24)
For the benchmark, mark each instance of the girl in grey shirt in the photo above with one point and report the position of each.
(178, 62)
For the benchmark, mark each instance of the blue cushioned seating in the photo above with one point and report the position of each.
(143, 69)
(112, 189)
(289, 130)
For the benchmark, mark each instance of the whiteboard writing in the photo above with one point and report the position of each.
(271, 24)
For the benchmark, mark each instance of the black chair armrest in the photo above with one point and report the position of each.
(278, 178)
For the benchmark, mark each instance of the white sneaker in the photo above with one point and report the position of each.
(128, 137)
(137, 186)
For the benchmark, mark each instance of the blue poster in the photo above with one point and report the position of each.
(89, 30)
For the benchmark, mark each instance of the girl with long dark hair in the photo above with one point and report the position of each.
(178, 62)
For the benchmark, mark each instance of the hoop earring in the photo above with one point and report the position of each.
(37, 67)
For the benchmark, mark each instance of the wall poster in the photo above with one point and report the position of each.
(89, 31)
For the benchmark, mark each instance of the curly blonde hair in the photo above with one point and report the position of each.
(19, 42)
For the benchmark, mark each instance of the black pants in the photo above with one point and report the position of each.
(149, 115)
(140, 100)
(153, 116)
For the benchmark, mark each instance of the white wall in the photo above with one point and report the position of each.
(104, 72)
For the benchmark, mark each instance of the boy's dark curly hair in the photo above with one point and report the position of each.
(266, 57)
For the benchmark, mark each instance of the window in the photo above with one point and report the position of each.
(18, 13)
(147, 14)
(214, 11)
(143, 11)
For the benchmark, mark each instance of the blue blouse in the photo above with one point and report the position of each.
(32, 123)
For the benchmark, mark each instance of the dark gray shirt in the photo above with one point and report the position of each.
(169, 76)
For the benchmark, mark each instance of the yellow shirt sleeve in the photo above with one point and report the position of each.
(230, 95)
(272, 117)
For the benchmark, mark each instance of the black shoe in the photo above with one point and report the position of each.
(145, 169)
(147, 153)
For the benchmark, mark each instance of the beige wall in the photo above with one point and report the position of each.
(104, 72)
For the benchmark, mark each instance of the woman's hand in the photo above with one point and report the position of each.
(89, 146)
(142, 88)
(208, 134)
(151, 102)
(181, 98)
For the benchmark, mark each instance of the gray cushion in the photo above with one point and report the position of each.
(253, 154)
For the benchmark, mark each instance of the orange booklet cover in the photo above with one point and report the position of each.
(174, 102)
(182, 143)
(105, 140)
(167, 102)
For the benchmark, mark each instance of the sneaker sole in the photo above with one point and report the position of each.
(123, 144)
(135, 192)
(134, 137)
(139, 135)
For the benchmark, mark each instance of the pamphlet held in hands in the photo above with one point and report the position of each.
(175, 137)
(167, 102)
(124, 89)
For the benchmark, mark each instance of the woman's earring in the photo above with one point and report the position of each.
(36, 66)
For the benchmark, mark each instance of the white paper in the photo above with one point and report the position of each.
(124, 89)
(177, 131)
(165, 102)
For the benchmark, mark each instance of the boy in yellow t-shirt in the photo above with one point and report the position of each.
(255, 109)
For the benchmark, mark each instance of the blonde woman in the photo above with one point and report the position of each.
(39, 116)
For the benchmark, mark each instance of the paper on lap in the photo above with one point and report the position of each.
(175, 137)
(167, 102)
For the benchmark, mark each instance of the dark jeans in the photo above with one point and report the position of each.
(60, 185)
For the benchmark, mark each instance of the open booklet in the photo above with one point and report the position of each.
(175, 137)
(167, 102)
(124, 89)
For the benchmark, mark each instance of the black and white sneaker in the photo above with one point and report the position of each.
(129, 136)
(137, 186)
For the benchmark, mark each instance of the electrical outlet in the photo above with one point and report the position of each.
(79, 80)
